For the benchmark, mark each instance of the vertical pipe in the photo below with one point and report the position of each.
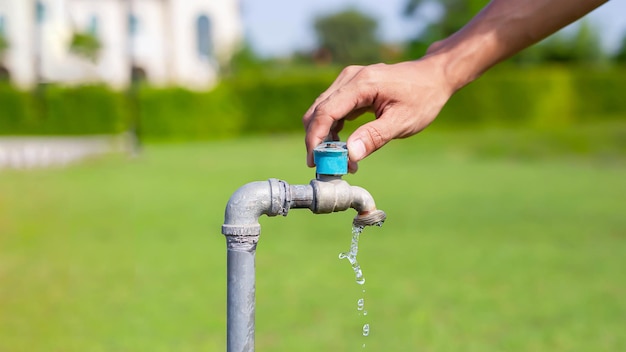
(38, 61)
(242, 230)
(240, 296)
(133, 84)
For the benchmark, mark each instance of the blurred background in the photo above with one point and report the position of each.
(125, 125)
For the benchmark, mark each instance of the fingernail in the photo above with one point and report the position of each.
(353, 167)
(356, 150)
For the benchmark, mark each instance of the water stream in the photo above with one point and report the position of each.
(358, 273)
(351, 255)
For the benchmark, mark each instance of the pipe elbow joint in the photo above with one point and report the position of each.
(249, 202)
(367, 214)
(362, 200)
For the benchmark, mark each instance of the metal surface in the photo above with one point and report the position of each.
(373, 218)
(241, 227)
(240, 299)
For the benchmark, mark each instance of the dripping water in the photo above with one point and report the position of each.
(351, 256)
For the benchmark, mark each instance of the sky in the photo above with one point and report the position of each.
(278, 27)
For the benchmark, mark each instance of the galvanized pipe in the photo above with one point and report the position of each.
(242, 230)
(240, 298)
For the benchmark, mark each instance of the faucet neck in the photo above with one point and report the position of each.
(327, 178)
(325, 194)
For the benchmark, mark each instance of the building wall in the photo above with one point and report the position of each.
(110, 20)
(190, 65)
(19, 25)
(161, 40)
(149, 40)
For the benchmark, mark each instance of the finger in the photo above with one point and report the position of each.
(335, 129)
(353, 167)
(358, 112)
(345, 76)
(369, 138)
(339, 104)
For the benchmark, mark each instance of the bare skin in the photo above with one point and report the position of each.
(406, 97)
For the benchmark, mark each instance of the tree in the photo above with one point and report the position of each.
(349, 36)
(454, 15)
(620, 55)
(586, 45)
(4, 45)
(580, 47)
(86, 45)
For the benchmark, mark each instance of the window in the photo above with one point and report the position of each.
(203, 28)
(133, 24)
(93, 25)
(40, 12)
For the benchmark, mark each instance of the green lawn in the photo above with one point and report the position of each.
(495, 241)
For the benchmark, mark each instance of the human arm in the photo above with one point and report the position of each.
(406, 97)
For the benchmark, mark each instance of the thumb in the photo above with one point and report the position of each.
(368, 138)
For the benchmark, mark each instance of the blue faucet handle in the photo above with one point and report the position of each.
(331, 158)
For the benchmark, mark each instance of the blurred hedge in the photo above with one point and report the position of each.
(548, 97)
(52, 110)
(175, 113)
(545, 98)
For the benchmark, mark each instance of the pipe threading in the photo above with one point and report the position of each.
(280, 197)
(241, 230)
(241, 243)
(376, 217)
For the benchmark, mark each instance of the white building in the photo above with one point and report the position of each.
(170, 42)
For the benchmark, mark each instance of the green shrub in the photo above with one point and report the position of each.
(600, 94)
(277, 104)
(18, 114)
(84, 110)
(56, 110)
(176, 113)
(499, 98)
(547, 98)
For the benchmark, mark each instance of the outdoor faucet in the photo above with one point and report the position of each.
(327, 193)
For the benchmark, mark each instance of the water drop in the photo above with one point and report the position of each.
(359, 276)
(366, 329)
(351, 255)
(352, 260)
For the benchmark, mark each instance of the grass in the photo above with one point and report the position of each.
(495, 241)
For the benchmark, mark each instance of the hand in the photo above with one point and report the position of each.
(405, 98)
